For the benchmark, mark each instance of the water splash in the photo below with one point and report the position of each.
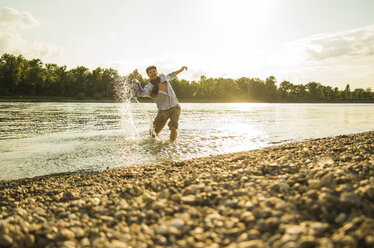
(125, 93)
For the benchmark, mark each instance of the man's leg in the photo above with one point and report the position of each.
(173, 123)
(160, 121)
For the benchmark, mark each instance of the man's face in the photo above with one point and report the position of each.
(152, 74)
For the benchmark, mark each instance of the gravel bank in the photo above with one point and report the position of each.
(317, 193)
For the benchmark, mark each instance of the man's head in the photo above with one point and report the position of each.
(152, 72)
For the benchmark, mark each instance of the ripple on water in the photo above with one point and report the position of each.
(46, 138)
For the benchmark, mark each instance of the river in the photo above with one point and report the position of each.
(45, 138)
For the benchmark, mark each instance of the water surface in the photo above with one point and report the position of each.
(44, 138)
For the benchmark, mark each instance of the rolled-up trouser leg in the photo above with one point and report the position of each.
(174, 117)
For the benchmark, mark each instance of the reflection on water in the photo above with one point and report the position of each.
(44, 138)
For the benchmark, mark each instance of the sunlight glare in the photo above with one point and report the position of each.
(239, 12)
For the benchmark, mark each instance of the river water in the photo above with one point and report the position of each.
(45, 138)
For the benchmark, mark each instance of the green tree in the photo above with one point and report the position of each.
(337, 93)
(226, 88)
(368, 94)
(78, 81)
(206, 88)
(315, 91)
(271, 88)
(53, 80)
(33, 80)
(19, 76)
(10, 73)
(243, 84)
(301, 92)
(110, 77)
(286, 89)
(358, 94)
(346, 94)
(328, 92)
(96, 84)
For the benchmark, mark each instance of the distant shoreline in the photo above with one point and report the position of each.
(92, 100)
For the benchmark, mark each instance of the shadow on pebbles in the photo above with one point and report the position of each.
(317, 193)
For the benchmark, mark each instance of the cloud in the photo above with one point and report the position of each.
(12, 18)
(11, 41)
(335, 59)
(346, 44)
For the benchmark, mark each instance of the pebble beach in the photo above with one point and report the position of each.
(315, 193)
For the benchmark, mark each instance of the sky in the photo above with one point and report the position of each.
(326, 41)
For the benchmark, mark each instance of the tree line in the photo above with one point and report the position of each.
(23, 77)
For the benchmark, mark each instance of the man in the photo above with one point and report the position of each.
(159, 88)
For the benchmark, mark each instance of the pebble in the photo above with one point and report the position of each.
(340, 218)
(350, 199)
(122, 204)
(316, 193)
(65, 234)
(318, 227)
(161, 229)
(5, 240)
(177, 223)
(188, 199)
(20, 211)
(279, 186)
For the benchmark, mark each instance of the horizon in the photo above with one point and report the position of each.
(296, 41)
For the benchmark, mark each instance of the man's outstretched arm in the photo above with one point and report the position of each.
(175, 73)
(180, 70)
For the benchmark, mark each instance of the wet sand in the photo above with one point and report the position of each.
(316, 193)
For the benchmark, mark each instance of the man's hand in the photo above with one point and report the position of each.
(135, 74)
